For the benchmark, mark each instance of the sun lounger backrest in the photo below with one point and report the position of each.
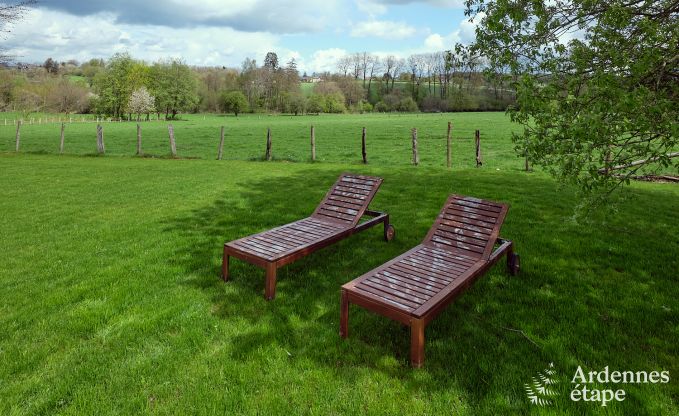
(467, 226)
(348, 199)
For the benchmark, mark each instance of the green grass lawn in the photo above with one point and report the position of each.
(111, 302)
(338, 138)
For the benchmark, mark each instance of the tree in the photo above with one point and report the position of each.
(343, 65)
(141, 102)
(51, 66)
(235, 102)
(67, 97)
(389, 67)
(596, 108)
(374, 66)
(271, 61)
(174, 87)
(113, 87)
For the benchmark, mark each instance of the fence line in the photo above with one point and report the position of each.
(415, 160)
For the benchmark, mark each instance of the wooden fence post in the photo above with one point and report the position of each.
(61, 142)
(479, 162)
(101, 149)
(173, 145)
(18, 135)
(448, 140)
(139, 151)
(267, 155)
(313, 144)
(220, 151)
(363, 152)
(416, 157)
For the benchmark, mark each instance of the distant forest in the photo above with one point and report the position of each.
(126, 88)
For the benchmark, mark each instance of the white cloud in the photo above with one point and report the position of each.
(383, 29)
(281, 16)
(324, 60)
(437, 3)
(371, 7)
(46, 33)
(465, 34)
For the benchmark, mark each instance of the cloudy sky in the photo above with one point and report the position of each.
(224, 32)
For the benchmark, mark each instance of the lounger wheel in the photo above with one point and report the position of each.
(389, 233)
(514, 264)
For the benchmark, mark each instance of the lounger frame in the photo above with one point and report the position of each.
(417, 318)
(337, 221)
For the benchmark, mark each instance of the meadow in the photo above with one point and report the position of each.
(338, 138)
(111, 301)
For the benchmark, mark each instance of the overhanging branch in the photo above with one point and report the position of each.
(638, 162)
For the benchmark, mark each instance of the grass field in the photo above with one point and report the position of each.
(338, 138)
(111, 302)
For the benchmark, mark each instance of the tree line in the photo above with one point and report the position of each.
(126, 88)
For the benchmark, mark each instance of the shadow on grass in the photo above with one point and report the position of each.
(575, 301)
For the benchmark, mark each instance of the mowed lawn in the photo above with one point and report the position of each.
(111, 301)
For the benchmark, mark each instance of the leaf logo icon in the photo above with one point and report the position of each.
(539, 391)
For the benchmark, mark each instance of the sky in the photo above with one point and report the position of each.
(224, 32)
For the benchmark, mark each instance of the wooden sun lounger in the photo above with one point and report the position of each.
(416, 286)
(336, 218)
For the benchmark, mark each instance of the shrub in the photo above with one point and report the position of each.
(392, 100)
(235, 102)
(334, 103)
(365, 107)
(297, 104)
(407, 105)
(433, 104)
(381, 107)
(315, 104)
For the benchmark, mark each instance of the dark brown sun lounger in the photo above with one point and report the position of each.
(416, 286)
(336, 218)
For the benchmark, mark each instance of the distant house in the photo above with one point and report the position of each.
(310, 79)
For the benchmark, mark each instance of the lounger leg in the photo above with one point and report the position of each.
(512, 261)
(344, 315)
(417, 343)
(270, 288)
(389, 230)
(225, 266)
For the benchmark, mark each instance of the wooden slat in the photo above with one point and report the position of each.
(474, 215)
(254, 250)
(456, 245)
(487, 225)
(464, 229)
(477, 203)
(384, 297)
(351, 195)
(420, 267)
(388, 293)
(342, 204)
(444, 253)
(460, 241)
(442, 267)
(355, 185)
(351, 190)
(412, 272)
(335, 215)
(414, 283)
(400, 289)
(348, 199)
